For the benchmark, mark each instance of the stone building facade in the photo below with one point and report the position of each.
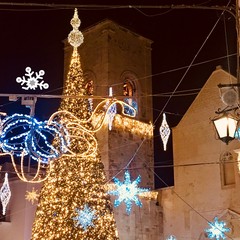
(206, 173)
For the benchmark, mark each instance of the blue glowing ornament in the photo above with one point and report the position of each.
(217, 229)
(171, 237)
(127, 192)
(84, 217)
(23, 134)
(128, 110)
(237, 134)
(112, 111)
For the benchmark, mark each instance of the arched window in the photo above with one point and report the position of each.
(89, 88)
(128, 88)
(227, 169)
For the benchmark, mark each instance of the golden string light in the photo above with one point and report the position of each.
(37, 178)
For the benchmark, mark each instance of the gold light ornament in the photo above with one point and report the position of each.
(32, 196)
(37, 178)
(75, 37)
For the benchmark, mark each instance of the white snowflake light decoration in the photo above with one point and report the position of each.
(32, 196)
(164, 132)
(217, 229)
(32, 80)
(127, 192)
(84, 217)
(5, 194)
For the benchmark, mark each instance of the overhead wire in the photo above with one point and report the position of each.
(190, 65)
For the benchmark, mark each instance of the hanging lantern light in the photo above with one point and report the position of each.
(226, 127)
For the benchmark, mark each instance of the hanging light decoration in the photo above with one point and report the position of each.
(127, 191)
(226, 127)
(5, 194)
(164, 132)
(112, 111)
(226, 123)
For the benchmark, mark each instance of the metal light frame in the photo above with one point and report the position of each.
(226, 126)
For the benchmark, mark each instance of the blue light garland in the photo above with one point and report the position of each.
(127, 192)
(23, 134)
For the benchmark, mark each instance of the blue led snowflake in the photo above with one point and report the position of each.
(127, 192)
(84, 217)
(217, 229)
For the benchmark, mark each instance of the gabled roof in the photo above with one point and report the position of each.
(208, 99)
(107, 23)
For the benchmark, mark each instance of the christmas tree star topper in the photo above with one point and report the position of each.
(5, 194)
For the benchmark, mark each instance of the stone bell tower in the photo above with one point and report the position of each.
(113, 56)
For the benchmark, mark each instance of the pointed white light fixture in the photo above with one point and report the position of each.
(226, 127)
(111, 111)
(5, 194)
(164, 132)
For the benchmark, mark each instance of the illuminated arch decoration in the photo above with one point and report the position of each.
(79, 129)
(38, 177)
(97, 119)
(22, 135)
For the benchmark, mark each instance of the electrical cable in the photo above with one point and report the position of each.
(188, 68)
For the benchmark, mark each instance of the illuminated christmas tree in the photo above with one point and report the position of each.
(73, 202)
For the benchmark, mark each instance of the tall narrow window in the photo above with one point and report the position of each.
(227, 169)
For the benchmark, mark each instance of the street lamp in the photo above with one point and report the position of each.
(226, 127)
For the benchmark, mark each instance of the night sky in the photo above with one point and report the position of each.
(187, 46)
